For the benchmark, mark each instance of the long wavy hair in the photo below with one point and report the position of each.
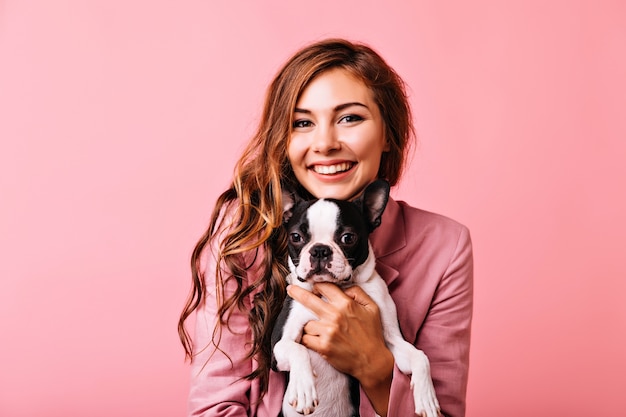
(255, 192)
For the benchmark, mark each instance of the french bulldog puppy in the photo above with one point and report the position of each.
(328, 242)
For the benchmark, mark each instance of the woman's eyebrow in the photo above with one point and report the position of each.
(337, 108)
(346, 105)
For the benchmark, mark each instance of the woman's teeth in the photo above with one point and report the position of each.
(332, 169)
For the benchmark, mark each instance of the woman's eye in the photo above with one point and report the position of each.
(350, 118)
(348, 238)
(301, 124)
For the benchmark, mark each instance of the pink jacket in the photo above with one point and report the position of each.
(426, 260)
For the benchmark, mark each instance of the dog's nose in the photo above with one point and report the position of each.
(320, 252)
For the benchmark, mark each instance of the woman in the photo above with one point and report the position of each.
(336, 117)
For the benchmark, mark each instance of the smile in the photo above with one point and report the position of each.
(333, 169)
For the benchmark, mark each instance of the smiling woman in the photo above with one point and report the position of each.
(120, 122)
(338, 136)
(336, 118)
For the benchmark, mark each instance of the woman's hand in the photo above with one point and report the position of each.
(349, 336)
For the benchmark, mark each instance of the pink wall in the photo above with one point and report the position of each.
(120, 121)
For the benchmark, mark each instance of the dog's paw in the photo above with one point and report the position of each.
(301, 394)
(426, 404)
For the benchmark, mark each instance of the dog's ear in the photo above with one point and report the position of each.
(290, 199)
(373, 202)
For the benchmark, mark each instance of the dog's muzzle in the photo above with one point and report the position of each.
(321, 258)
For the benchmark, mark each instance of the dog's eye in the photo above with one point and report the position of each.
(295, 237)
(348, 238)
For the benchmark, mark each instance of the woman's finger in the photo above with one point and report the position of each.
(307, 299)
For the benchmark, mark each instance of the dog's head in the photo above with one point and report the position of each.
(328, 238)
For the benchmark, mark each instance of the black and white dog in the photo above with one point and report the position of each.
(328, 241)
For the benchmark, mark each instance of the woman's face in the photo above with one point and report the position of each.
(337, 138)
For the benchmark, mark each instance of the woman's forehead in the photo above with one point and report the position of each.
(332, 88)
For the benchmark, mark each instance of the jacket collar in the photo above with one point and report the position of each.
(390, 237)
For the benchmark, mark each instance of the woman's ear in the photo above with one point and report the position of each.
(386, 141)
(387, 145)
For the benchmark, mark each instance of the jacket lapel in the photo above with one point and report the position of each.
(389, 238)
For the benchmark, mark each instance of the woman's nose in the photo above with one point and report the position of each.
(325, 140)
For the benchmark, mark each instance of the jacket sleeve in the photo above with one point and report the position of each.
(217, 387)
(444, 337)
(445, 333)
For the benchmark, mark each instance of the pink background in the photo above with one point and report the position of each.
(120, 122)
